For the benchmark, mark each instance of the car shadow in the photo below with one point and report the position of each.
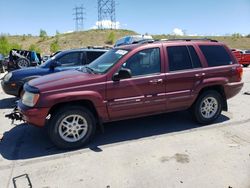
(26, 142)
(8, 103)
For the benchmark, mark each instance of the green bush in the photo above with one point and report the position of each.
(35, 48)
(54, 46)
(111, 38)
(5, 46)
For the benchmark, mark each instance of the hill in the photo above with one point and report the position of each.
(102, 38)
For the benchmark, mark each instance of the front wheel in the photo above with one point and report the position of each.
(71, 127)
(245, 65)
(207, 107)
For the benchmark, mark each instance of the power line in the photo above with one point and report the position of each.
(106, 12)
(79, 12)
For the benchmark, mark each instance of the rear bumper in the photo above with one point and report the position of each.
(33, 116)
(232, 89)
(12, 88)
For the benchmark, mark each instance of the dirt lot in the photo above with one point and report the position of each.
(160, 151)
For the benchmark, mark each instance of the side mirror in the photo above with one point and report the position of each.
(55, 64)
(122, 74)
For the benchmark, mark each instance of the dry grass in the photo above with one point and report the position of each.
(99, 38)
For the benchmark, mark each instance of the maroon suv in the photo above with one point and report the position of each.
(133, 81)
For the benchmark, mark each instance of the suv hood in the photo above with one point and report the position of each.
(64, 80)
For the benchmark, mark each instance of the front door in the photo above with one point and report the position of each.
(141, 94)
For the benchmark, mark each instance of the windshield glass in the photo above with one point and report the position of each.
(106, 61)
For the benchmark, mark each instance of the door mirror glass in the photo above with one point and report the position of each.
(122, 74)
(55, 64)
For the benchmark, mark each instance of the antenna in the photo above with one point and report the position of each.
(79, 12)
(106, 12)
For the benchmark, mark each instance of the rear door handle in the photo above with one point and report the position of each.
(156, 81)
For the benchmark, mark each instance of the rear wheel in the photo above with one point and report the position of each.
(245, 65)
(207, 107)
(71, 127)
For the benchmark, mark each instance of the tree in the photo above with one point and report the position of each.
(54, 46)
(111, 38)
(43, 34)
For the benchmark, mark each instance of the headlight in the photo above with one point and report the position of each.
(30, 99)
(7, 77)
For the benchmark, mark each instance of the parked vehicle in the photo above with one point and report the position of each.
(13, 82)
(19, 59)
(132, 81)
(2, 69)
(243, 56)
(132, 39)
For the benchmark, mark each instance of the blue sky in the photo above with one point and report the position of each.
(207, 17)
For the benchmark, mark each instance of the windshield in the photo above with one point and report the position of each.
(107, 60)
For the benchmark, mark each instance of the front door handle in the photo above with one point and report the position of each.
(156, 81)
(200, 75)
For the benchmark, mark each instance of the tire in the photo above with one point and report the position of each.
(207, 113)
(66, 123)
(2, 69)
(22, 63)
(245, 65)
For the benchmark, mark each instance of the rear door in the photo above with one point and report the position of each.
(184, 72)
(144, 93)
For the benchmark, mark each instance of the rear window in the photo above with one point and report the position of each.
(216, 55)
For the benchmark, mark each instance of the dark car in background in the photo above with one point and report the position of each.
(19, 59)
(13, 82)
(2, 69)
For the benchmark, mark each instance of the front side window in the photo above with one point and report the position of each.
(144, 62)
(216, 55)
(178, 58)
(70, 59)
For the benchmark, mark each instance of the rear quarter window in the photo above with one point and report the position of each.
(216, 55)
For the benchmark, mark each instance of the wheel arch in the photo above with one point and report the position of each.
(220, 90)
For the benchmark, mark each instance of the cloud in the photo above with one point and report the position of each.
(106, 24)
(179, 32)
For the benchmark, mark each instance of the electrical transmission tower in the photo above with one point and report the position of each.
(106, 12)
(79, 12)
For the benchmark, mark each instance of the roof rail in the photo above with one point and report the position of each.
(144, 41)
(190, 39)
(99, 47)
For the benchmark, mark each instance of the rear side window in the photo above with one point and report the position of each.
(195, 59)
(216, 55)
(179, 58)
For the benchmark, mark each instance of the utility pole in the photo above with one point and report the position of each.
(79, 12)
(106, 12)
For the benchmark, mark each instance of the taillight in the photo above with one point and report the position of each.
(239, 71)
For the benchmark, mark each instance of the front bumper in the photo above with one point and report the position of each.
(33, 116)
(12, 88)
